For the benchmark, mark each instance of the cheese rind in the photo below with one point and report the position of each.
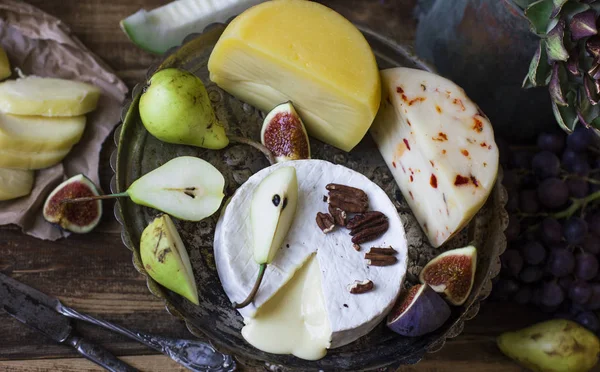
(439, 147)
(350, 316)
(304, 52)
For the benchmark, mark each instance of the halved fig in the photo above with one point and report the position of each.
(452, 274)
(283, 133)
(419, 311)
(75, 217)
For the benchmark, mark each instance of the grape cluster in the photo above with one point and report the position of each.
(553, 252)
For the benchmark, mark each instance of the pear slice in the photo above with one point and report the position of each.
(15, 183)
(39, 133)
(186, 187)
(31, 160)
(165, 258)
(34, 95)
(272, 213)
(4, 65)
(284, 134)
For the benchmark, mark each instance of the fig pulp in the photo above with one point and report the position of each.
(452, 274)
(283, 133)
(419, 311)
(80, 217)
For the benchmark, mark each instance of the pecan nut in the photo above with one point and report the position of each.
(360, 287)
(325, 222)
(380, 260)
(384, 250)
(371, 233)
(364, 218)
(347, 198)
(339, 216)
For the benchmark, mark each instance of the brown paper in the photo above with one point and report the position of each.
(42, 45)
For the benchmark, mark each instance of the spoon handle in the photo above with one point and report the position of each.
(194, 355)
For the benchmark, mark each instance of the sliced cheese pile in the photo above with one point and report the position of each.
(439, 147)
(304, 52)
(348, 316)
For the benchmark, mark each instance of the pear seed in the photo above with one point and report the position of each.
(276, 200)
(284, 203)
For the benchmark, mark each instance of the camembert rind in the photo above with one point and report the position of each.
(351, 316)
(304, 52)
(439, 147)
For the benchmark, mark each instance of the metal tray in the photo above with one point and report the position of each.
(214, 320)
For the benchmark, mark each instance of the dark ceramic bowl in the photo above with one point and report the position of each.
(214, 320)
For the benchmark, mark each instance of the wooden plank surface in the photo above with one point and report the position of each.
(94, 274)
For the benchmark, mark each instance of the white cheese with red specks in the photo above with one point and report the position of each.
(439, 146)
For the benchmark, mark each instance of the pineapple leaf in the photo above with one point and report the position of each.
(557, 6)
(592, 46)
(590, 90)
(570, 9)
(539, 69)
(555, 46)
(572, 64)
(586, 111)
(538, 14)
(558, 84)
(566, 116)
(523, 4)
(583, 25)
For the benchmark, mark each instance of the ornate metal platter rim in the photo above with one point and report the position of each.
(116, 186)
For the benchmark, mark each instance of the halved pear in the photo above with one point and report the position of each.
(39, 133)
(186, 187)
(272, 212)
(165, 258)
(34, 95)
(31, 160)
(15, 183)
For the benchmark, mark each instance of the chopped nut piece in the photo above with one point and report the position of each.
(361, 219)
(325, 222)
(382, 260)
(360, 287)
(371, 233)
(356, 247)
(346, 198)
(339, 216)
(385, 250)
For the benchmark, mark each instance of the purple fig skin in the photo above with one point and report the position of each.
(427, 312)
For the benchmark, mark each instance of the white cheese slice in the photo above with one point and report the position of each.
(350, 316)
(439, 147)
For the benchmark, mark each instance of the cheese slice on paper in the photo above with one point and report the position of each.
(439, 147)
(348, 316)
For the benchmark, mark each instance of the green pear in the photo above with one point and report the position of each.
(272, 211)
(165, 258)
(185, 187)
(175, 108)
(557, 345)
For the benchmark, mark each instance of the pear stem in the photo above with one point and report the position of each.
(92, 198)
(257, 145)
(261, 273)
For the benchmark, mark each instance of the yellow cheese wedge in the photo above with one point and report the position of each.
(15, 183)
(304, 52)
(4, 65)
(39, 133)
(35, 95)
(31, 160)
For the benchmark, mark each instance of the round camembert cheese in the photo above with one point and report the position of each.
(303, 306)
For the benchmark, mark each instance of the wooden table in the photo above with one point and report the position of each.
(93, 273)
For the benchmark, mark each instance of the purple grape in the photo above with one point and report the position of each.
(591, 243)
(551, 231)
(545, 164)
(593, 221)
(523, 295)
(554, 142)
(551, 192)
(576, 309)
(552, 294)
(505, 288)
(513, 229)
(512, 262)
(520, 159)
(512, 205)
(570, 158)
(581, 168)
(580, 139)
(531, 274)
(594, 301)
(561, 262)
(565, 282)
(510, 180)
(575, 230)
(580, 292)
(533, 252)
(578, 188)
(528, 202)
(536, 296)
(586, 266)
(589, 320)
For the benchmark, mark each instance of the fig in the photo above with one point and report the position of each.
(452, 273)
(419, 311)
(284, 134)
(78, 218)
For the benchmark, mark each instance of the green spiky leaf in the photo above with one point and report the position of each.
(555, 46)
(590, 90)
(587, 112)
(571, 8)
(558, 84)
(538, 14)
(557, 6)
(539, 69)
(566, 116)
